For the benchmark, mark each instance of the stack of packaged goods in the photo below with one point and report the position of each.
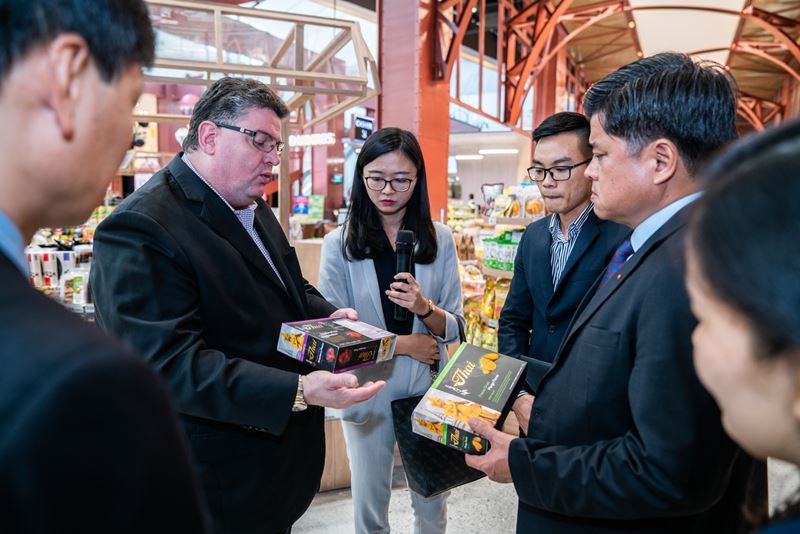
(483, 317)
(523, 201)
(458, 214)
(59, 261)
(485, 289)
(499, 252)
(493, 241)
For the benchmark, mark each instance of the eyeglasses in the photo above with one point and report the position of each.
(399, 185)
(559, 173)
(261, 140)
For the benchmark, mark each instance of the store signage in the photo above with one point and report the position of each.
(300, 205)
(364, 126)
(315, 139)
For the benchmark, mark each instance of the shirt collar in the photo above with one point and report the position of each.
(574, 227)
(12, 244)
(650, 225)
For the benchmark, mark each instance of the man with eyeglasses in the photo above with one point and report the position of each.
(559, 257)
(195, 272)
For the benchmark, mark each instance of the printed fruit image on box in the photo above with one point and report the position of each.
(475, 383)
(336, 345)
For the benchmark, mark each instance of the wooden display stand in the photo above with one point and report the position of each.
(336, 474)
(309, 253)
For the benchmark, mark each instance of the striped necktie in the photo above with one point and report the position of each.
(622, 253)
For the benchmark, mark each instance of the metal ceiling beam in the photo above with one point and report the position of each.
(305, 80)
(517, 89)
(532, 28)
(450, 34)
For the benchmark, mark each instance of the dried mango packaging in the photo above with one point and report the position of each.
(336, 345)
(475, 383)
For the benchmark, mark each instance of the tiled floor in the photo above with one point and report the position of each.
(482, 506)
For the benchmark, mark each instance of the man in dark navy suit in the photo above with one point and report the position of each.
(560, 256)
(89, 441)
(622, 435)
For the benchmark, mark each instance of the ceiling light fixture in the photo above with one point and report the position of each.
(468, 157)
(493, 151)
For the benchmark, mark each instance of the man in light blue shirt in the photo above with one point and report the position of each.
(89, 441)
(623, 437)
(12, 244)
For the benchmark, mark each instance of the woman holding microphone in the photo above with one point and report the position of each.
(358, 270)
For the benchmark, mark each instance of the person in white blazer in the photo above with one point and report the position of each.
(358, 271)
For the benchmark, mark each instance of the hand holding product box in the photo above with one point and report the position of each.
(475, 383)
(336, 344)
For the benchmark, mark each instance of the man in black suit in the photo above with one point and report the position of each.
(622, 435)
(559, 257)
(89, 442)
(194, 271)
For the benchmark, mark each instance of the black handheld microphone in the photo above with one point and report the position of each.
(404, 247)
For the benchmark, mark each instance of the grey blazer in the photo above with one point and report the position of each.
(354, 284)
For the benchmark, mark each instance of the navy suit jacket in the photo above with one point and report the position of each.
(536, 314)
(89, 441)
(622, 435)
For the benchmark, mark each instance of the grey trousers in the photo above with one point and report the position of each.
(370, 448)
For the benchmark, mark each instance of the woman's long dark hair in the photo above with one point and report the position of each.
(363, 227)
(745, 234)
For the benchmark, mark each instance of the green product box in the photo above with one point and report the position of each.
(316, 207)
(475, 383)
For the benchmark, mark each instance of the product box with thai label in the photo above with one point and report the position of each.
(475, 383)
(336, 345)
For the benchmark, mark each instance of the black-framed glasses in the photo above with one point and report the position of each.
(261, 140)
(559, 173)
(400, 185)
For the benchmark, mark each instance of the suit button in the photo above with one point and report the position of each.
(551, 328)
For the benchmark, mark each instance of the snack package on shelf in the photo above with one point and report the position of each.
(523, 201)
(534, 207)
(336, 345)
(500, 293)
(488, 337)
(487, 302)
(490, 193)
(499, 252)
(465, 246)
(472, 281)
(475, 383)
(473, 333)
(459, 215)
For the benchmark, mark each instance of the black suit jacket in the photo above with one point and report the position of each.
(622, 436)
(536, 315)
(176, 276)
(89, 442)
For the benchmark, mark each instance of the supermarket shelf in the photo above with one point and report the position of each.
(520, 221)
(497, 273)
(492, 323)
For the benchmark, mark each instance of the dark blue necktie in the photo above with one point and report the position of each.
(622, 253)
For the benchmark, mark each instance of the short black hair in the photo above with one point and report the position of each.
(693, 104)
(566, 121)
(229, 98)
(744, 234)
(117, 32)
(363, 228)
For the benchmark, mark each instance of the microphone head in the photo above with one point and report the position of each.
(405, 238)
